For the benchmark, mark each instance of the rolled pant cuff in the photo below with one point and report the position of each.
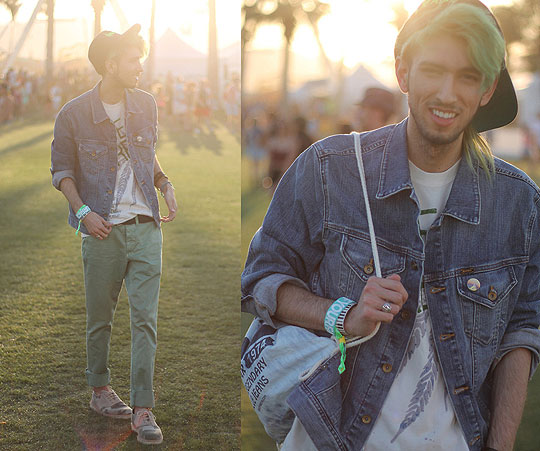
(98, 380)
(142, 398)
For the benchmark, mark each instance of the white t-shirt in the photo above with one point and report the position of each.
(129, 200)
(417, 413)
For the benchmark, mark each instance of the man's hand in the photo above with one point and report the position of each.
(170, 200)
(363, 318)
(97, 226)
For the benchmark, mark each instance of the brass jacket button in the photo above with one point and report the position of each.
(492, 295)
(366, 419)
(368, 268)
(387, 367)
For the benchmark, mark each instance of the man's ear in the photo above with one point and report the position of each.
(486, 97)
(402, 74)
(110, 65)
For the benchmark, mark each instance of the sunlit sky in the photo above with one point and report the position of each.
(359, 31)
(188, 19)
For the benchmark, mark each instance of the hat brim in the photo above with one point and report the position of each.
(501, 109)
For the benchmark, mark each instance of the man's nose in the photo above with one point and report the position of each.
(447, 90)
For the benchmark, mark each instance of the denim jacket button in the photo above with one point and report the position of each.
(139, 139)
(405, 314)
(473, 284)
(366, 419)
(113, 169)
(414, 265)
(109, 191)
(387, 367)
(368, 268)
(492, 295)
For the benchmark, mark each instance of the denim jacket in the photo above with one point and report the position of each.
(84, 149)
(315, 235)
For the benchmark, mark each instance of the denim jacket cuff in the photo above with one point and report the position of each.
(60, 175)
(522, 338)
(264, 299)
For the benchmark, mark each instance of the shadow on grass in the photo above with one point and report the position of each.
(24, 144)
(186, 141)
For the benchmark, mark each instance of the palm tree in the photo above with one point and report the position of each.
(13, 7)
(98, 6)
(288, 13)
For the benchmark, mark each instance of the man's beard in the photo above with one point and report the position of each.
(437, 139)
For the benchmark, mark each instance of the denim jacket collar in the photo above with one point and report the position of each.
(464, 200)
(98, 112)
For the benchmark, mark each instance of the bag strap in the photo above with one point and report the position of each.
(358, 150)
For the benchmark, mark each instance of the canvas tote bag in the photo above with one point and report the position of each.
(275, 361)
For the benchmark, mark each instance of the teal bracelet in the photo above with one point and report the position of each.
(333, 312)
(81, 214)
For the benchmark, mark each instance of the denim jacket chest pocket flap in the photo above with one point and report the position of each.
(91, 153)
(482, 294)
(143, 142)
(358, 266)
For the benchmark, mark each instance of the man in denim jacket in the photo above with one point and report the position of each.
(459, 244)
(104, 162)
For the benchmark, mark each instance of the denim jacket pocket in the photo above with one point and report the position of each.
(357, 264)
(91, 155)
(143, 142)
(482, 293)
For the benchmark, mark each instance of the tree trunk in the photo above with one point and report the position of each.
(150, 71)
(285, 76)
(213, 79)
(50, 41)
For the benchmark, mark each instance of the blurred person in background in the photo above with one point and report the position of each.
(6, 103)
(253, 143)
(282, 150)
(203, 108)
(375, 110)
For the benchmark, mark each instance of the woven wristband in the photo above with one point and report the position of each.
(81, 214)
(332, 314)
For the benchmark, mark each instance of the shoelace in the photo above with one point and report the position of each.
(147, 417)
(111, 396)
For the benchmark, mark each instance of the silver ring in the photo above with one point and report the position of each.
(387, 307)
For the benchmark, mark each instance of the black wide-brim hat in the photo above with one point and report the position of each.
(502, 108)
(107, 42)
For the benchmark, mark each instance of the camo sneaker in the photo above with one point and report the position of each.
(109, 404)
(144, 424)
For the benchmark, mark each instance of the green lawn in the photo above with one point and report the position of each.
(43, 393)
(254, 204)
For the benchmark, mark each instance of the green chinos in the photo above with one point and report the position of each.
(131, 253)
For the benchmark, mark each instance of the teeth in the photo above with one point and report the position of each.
(444, 115)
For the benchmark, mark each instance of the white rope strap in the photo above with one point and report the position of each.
(358, 149)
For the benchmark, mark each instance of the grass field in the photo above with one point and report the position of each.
(254, 204)
(43, 393)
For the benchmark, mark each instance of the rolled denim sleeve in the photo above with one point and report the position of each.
(523, 328)
(288, 246)
(63, 151)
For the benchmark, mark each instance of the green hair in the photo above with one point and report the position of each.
(486, 49)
